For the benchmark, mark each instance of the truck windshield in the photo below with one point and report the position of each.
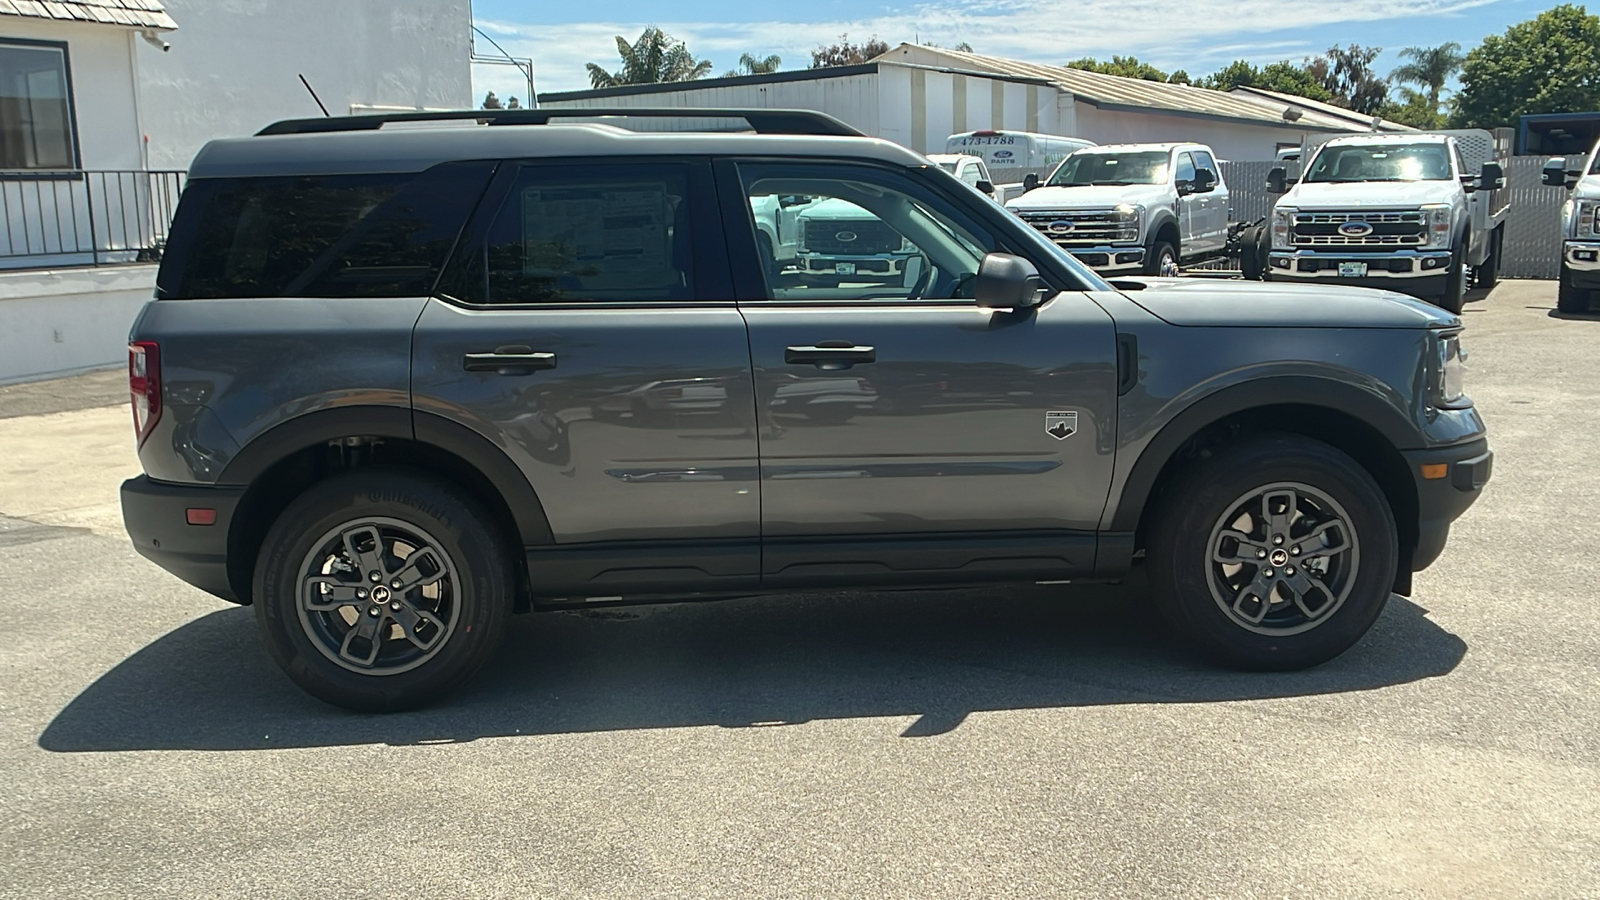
(1100, 167)
(1381, 162)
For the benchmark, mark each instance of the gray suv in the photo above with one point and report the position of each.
(399, 383)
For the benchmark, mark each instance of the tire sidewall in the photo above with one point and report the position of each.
(1180, 555)
(475, 550)
(1153, 266)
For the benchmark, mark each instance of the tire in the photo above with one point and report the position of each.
(769, 257)
(455, 614)
(1569, 297)
(1161, 252)
(1251, 261)
(1455, 282)
(1230, 490)
(1487, 274)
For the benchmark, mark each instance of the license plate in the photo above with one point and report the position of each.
(850, 268)
(1352, 270)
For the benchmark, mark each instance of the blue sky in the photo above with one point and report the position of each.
(562, 36)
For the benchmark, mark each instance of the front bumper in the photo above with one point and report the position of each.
(156, 515)
(1384, 267)
(1449, 480)
(1582, 260)
(1109, 258)
(871, 267)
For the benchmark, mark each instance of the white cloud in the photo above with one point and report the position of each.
(1045, 31)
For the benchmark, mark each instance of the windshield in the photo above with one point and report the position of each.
(1381, 162)
(948, 167)
(1100, 167)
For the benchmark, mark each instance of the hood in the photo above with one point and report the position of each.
(1090, 196)
(1204, 303)
(1588, 188)
(1375, 194)
(835, 208)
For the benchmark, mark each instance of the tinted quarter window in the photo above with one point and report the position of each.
(588, 233)
(383, 235)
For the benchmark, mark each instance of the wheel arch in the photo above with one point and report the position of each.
(1363, 427)
(285, 461)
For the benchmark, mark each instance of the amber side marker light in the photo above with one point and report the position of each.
(1435, 471)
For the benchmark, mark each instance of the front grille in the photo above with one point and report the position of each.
(1389, 230)
(851, 237)
(1090, 227)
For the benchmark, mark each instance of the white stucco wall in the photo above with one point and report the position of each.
(233, 65)
(100, 61)
(1231, 140)
(64, 320)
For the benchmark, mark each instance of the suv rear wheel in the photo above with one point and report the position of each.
(1275, 554)
(381, 589)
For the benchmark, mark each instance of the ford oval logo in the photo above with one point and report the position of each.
(845, 237)
(1060, 226)
(1355, 229)
(1002, 154)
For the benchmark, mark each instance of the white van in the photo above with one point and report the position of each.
(1012, 149)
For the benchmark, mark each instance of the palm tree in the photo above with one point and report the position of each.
(764, 66)
(1430, 67)
(656, 57)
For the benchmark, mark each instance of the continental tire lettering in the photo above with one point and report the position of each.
(404, 499)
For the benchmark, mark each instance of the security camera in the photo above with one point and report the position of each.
(155, 40)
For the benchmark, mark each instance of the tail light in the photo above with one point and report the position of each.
(144, 386)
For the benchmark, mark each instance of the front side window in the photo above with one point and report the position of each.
(1185, 169)
(589, 233)
(1380, 162)
(1104, 167)
(865, 234)
(35, 108)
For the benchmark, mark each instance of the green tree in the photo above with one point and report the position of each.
(845, 53)
(1124, 66)
(1548, 64)
(1430, 67)
(1284, 77)
(750, 65)
(656, 57)
(1417, 111)
(1347, 75)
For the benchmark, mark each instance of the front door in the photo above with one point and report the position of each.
(893, 411)
(586, 327)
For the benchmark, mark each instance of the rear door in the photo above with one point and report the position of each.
(586, 327)
(903, 427)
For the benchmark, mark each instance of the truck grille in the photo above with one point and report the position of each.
(851, 237)
(1332, 230)
(1088, 227)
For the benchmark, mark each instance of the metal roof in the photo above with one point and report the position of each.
(132, 13)
(1356, 120)
(1138, 95)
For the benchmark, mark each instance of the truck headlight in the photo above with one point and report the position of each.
(1449, 373)
(1436, 218)
(1584, 216)
(1130, 219)
(1282, 227)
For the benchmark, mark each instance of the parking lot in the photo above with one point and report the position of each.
(995, 742)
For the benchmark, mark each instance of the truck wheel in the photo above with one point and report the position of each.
(1487, 273)
(769, 258)
(1251, 260)
(1455, 283)
(382, 589)
(1569, 297)
(1273, 554)
(1162, 260)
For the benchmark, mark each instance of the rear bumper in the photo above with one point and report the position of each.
(1441, 500)
(156, 516)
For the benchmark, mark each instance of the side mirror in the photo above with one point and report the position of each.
(986, 186)
(1469, 183)
(1554, 173)
(1029, 182)
(1006, 282)
(792, 200)
(1278, 180)
(1205, 181)
(1492, 178)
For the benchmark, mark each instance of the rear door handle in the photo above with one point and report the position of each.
(515, 359)
(830, 355)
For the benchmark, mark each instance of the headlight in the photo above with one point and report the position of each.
(1282, 225)
(1584, 215)
(1449, 388)
(1437, 221)
(1130, 218)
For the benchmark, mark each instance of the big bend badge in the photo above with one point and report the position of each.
(1061, 425)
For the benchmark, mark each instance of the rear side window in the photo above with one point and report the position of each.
(383, 235)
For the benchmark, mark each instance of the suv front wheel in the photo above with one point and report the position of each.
(1274, 554)
(381, 589)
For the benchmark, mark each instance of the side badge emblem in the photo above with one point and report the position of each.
(1061, 425)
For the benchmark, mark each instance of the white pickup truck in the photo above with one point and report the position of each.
(1122, 208)
(1580, 231)
(1417, 213)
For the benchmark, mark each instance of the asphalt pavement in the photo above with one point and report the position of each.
(1027, 742)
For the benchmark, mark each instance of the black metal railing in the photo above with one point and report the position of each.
(85, 217)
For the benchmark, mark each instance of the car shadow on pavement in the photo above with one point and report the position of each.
(939, 656)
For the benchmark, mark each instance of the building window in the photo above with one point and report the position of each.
(35, 107)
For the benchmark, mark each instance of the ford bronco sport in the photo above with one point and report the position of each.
(398, 383)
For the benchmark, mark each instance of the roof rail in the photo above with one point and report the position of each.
(762, 121)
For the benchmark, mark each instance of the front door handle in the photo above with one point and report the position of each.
(830, 355)
(515, 359)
